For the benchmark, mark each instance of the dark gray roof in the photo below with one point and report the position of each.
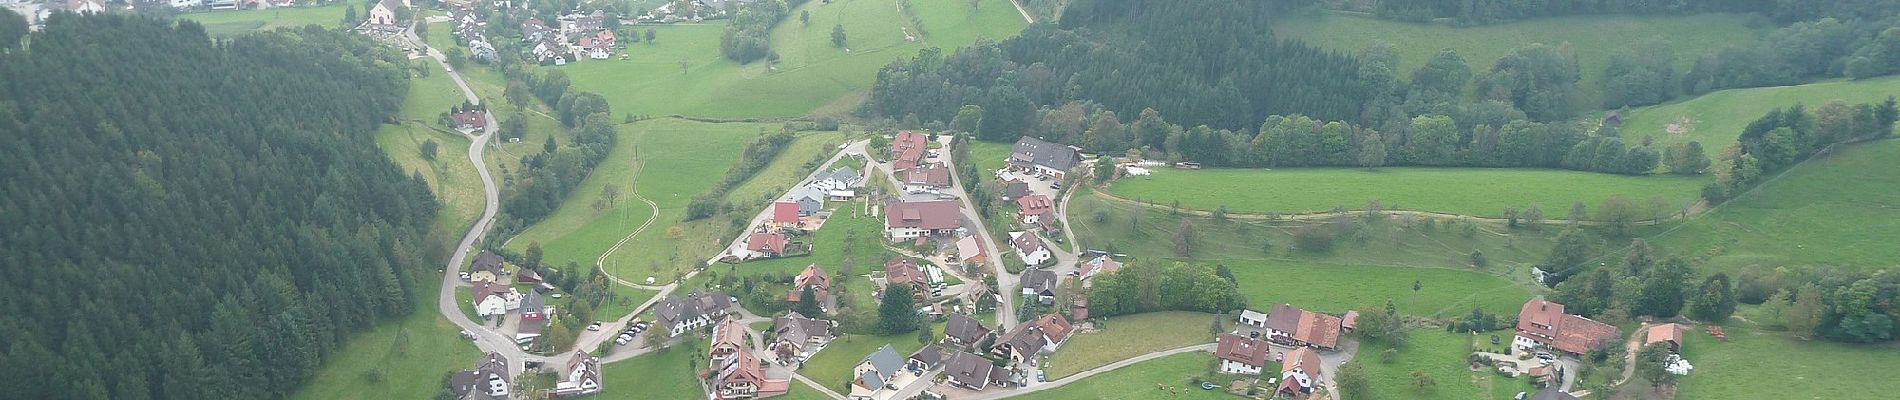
(692, 306)
(533, 302)
(931, 355)
(1016, 189)
(487, 261)
(799, 329)
(965, 329)
(885, 360)
(1039, 279)
(1284, 318)
(1044, 153)
(971, 369)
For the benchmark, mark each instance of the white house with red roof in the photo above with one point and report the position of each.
(1242, 355)
(908, 150)
(913, 219)
(1543, 324)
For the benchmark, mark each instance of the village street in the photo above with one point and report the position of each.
(738, 243)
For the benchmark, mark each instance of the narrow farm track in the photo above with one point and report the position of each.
(991, 395)
(633, 189)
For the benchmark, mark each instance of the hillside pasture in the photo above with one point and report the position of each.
(1756, 364)
(682, 72)
(1716, 119)
(1840, 209)
(1129, 336)
(1335, 289)
(224, 23)
(1161, 378)
(1482, 192)
(1442, 355)
(1592, 38)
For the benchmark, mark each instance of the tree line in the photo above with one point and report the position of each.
(548, 177)
(1141, 287)
(748, 37)
(753, 158)
(161, 244)
(1785, 137)
(1476, 12)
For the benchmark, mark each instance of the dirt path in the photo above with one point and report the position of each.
(1021, 10)
(633, 189)
(989, 395)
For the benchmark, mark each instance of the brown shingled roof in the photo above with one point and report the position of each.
(1242, 349)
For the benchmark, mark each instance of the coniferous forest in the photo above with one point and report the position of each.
(190, 219)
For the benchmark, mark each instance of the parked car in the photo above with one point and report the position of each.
(1042, 376)
(594, 326)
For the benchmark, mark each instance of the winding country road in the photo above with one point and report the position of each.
(485, 339)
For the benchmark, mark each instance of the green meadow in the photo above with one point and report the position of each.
(1484, 192)
(1129, 336)
(1592, 38)
(1442, 355)
(237, 22)
(1756, 364)
(1717, 118)
(681, 71)
(1840, 209)
(1161, 378)
(832, 366)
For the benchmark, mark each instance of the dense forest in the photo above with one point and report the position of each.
(189, 219)
(1208, 82)
(1471, 12)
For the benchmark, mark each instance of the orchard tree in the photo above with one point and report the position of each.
(1714, 301)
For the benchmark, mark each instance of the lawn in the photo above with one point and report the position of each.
(1441, 355)
(1483, 192)
(1140, 381)
(682, 72)
(644, 163)
(1768, 365)
(1128, 336)
(237, 22)
(832, 366)
(1842, 209)
(785, 171)
(990, 156)
(408, 356)
(1132, 229)
(629, 298)
(1716, 119)
(666, 374)
(1333, 288)
(1592, 37)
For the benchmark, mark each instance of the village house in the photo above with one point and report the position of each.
(469, 119)
(903, 271)
(871, 378)
(1098, 265)
(741, 377)
(969, 252)
(1302, 328)
(785, 214)
(85, 6)
(1299, 373)
(908, 150)
(1015, 189)
(1254, 319)
(1042, 158)
(580, 377)
(1040, 283)
(1028, 339)
(527, 276)
(1036, 210)
(927, 178)
(913, 219)
(534, 315)
(1349, 322)
(970, 371)
(1544, 324)
(728, 337)
(384, 12)
(696, 310)
(488, 381)
(486, 268)
(491, 299)
(841, 179)
(481, 51)
(810, 200)
(1030, 247)
(964, 332)
(535, 31)
(796, 337)
(1670, 333)
(765, 244)
(812, 277)
(927, 358)
(1242, 355)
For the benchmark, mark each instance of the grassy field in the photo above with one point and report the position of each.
(1441, 355)
(237, 22)
(1769, 365)
(682, 72)
(1336, 288)
(990, 156)
(1716, 119)
(408, 355)
(1129, 336)
(1837, 210)
(1139, 381)
(663, 375)
(1593, 38)
(832, 366)
(1132, 229)
(785, 171)
(1464, 191)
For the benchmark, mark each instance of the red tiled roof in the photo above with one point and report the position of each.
(1351, 321)
(1103, 264)
(901, 270)
(1054, 327)
(772, 242)
(1579, 335)
(1539, 317)
(932, 175)
(1318, 329)
(785, 212)
(1034, 204)
(811, 276)
(1242, 349)
(932, 214)
(1304, 358)
(1670, 332)
(908, 149)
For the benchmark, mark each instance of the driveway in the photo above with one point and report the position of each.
(738, 243)
(1005, 282)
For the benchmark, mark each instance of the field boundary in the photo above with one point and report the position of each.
(1101, 192)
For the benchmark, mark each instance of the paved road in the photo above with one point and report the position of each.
(1020, 10)
(486, 339)
(998, 394)
(1006, 282)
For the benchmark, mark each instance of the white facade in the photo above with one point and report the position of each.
(1235, 367)
(1037, 257)
(903, 233)
(182, 4)
(691, 324)
(491, 305)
